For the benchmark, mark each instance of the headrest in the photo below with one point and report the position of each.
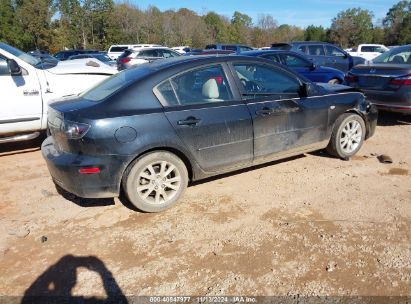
(210, 89)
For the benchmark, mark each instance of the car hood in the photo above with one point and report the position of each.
(82, 66)
(337, 88)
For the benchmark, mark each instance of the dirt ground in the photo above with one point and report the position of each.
(310, 225)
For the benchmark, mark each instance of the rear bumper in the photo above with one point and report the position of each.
(64, 169)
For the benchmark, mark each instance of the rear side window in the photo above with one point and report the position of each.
(316, 50)
(118, 49)
(229, 47)
(200, 86)
(149, 53)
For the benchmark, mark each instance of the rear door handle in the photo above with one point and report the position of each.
(264, 111)
(189, 121)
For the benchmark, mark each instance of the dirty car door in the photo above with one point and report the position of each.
(282, 121)
(214, 126)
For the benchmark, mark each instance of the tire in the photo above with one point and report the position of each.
(334, 81)
(155, 181)
(347, 136)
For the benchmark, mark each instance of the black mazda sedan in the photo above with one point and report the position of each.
(153, 128)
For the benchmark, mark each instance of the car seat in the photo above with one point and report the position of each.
(210, 91)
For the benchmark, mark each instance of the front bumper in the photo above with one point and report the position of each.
(64, 169)
(371, 117)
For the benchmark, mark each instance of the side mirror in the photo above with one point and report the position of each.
(313, 66)
(13, 67)
(306, 89)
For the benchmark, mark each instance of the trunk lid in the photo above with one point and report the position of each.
(378, 76)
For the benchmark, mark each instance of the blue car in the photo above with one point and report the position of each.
(301, 65)
(322, 53)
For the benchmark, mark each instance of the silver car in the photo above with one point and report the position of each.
(132, 57)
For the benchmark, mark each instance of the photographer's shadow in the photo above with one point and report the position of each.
(56, 284)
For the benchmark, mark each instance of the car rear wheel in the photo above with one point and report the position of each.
(155, 181)
(348, 136)
(334, 81)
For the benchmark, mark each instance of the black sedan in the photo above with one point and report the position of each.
(151, 129)
(387, 80)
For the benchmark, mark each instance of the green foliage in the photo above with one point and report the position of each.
(352, 27)
(395, 21)
(59, 24)
(315, 33)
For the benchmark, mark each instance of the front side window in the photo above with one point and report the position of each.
(316, 50)
(257, 78)
(272, 57)
(198, 86)
(333, 51)
(295, 61)
(168, 54)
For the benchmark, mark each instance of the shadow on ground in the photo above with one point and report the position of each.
(56, 284)
(386, 119)
(22, 147)
(84, 202)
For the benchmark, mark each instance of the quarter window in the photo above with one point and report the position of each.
(199, 86)
(257, 78)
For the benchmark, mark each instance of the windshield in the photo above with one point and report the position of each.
(20, 54)
(114, 83)
(396, 56)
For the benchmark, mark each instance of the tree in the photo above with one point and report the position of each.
(315, 33)
(266, 22)
(34, 17)
(394, 19)
(404, 36)
(217, 27)
(351, 27)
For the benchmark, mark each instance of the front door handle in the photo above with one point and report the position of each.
(264, 111)
(189, 121)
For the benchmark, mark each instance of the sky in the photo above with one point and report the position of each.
(295, 12)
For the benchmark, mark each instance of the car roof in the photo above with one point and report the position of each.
(262, 52)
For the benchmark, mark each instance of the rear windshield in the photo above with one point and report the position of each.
(395, 56)
(114, 83)
(118, 48)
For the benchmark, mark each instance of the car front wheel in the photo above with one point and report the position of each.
(155, 181)
(347, 137)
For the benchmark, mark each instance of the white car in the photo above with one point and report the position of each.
(28, 85)
(141, 55)
(368, 51)
(116, 50)
(181, 49)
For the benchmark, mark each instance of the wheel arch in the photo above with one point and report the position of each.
(172, 150)
(363, 117)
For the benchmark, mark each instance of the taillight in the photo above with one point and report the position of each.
(124, 60)
(351, 78)
(74, 130)
(405, 80)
